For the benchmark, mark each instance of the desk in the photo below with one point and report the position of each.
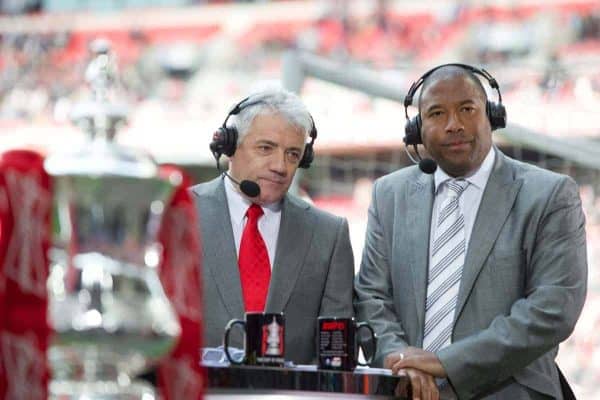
(231, 382)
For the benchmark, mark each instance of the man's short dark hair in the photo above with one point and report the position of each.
(448, 72)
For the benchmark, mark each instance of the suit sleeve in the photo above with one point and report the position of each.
(374, 301)
(337, 296)
(544, 316)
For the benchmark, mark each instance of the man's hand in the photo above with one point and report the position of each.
(423, 386)
(413, 357)
(422, 383)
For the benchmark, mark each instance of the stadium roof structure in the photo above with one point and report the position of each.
(581, 151)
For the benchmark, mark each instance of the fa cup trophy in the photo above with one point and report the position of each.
(111, 317)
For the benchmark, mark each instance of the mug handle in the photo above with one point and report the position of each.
(230, 325)
(373, 336)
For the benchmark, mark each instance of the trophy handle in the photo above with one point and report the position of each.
(230, 325)
(373, 336)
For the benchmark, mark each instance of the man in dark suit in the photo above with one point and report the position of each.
(309, 271)
(472, 276)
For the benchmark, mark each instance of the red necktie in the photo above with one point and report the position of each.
(255, 269)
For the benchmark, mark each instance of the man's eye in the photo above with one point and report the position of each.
(435, 114)
(294, 156)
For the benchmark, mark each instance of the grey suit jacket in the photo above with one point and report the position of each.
(312, 273)
(523, 284)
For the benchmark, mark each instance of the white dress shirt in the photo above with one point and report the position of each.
(268, 224)
(470, 199)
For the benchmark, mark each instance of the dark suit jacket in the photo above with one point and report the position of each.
(312, 273)
(523, 284)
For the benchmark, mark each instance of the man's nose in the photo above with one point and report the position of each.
(278, 162)
(454, 123)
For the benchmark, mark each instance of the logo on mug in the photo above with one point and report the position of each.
(272, 339)
(337, 345)
(264, 342)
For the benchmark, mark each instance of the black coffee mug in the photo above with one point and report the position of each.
(338, 344)
(264, 339)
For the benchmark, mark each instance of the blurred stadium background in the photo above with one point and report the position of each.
(183, 63)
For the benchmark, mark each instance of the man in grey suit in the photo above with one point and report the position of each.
(308, 249)
(471, 276)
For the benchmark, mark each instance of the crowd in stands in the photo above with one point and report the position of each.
(19, 7)
(39, 71)
(34, 75)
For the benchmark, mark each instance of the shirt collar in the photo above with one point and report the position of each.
(238, 204)
(478, 179)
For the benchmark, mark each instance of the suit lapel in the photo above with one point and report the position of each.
(218, 244)
(496, 203)
(295, 235)
(419, 206)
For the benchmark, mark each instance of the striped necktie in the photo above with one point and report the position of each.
(445, 269)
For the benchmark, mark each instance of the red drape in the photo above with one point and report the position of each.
(25, 204)
(180, 375)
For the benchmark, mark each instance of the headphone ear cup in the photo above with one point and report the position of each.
(496, 114)
(307, 157)
(412, 131)
(224, 141)
(231, 141)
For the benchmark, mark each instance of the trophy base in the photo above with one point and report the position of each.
(100, 390)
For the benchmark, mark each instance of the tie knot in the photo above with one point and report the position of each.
(457, 186)
(254, 212)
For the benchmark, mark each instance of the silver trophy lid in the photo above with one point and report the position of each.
(100, 117)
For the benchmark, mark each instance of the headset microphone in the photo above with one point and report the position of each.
(249, 188)
(426, 165)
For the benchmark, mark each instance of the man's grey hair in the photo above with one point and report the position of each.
(268, 102)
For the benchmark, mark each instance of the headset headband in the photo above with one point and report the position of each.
(408, 99)
(236, 109)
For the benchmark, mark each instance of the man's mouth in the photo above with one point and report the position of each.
(272, 181)
(457, 144)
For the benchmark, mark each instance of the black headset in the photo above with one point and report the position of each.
(224, 140)
(496, 112)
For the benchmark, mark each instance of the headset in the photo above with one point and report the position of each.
(496, 112)
(225, 139)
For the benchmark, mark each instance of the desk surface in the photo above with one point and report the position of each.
(233, 382)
